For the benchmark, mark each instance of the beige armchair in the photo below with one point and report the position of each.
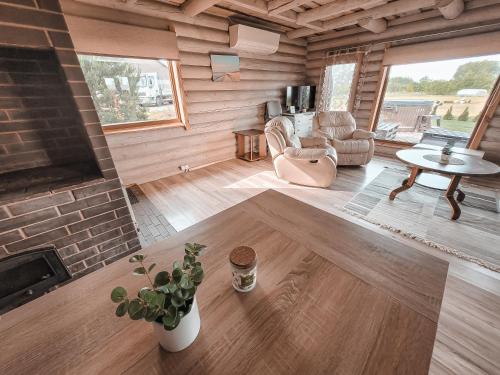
(303, 161)
(353, 146)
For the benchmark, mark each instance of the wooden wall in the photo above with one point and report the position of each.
(491, 138)
(215, 109)
(480, 16)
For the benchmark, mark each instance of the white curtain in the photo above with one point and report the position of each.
(336, 81)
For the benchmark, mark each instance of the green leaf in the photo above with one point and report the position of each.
(199, 247)
(162, 278)
(188, 260)
(193, 248)
(137, 258)
(177, 301)
(178, 293)
(150, 297)
(172, 287)
(197, 275)
(122, 308)
(118, 294)
(160, 300)
(168, 288)
(177, 265)
(188, 293)
(136, 309)
(150, 268)
(171, 318)
(189, 248)
(169, 321)
(184, 282)
(151, 314)
(139, 271)
(177, 275)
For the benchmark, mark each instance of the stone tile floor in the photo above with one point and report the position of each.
(153, 226)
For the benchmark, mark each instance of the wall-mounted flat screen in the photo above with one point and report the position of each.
(301, 97)
(225, 68)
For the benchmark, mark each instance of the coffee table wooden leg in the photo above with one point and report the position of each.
(460, 195)
(407, 183)
(450, 192)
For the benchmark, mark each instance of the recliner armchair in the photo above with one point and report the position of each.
(303, 161)
(353, 146)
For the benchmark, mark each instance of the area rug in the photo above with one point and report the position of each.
(423, 214)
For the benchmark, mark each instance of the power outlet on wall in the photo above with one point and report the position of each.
(184, 168)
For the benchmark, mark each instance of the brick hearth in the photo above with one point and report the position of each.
(84, 215)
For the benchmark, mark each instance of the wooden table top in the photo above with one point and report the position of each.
(331, 297)
(249, 132)
(473, 165)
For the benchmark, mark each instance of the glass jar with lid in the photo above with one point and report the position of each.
(243, 260)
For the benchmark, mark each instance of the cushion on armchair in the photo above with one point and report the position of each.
(362, 134)
(351, 146)
(286, 128)
(305, 153)
(313, 142)
(336, 124)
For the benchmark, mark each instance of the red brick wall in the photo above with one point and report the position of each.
(89, 223)
(41, 125)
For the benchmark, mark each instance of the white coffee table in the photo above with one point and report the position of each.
(466, 165)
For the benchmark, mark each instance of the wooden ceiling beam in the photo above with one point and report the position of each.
(260, 6)
(160, 10)
(192, 8)
(375, 25)
(390, 9)
(407, 27)
(284, 7)
(451, 9)
(332, 9)
(273, 4)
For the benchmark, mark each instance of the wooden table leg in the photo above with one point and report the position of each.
(252, 158)
(262, 146)
(407, 183)
(450, 197)
(240, 149)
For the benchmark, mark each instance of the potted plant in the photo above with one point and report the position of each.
(169, 301)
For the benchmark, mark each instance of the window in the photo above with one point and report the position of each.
(340, 78)
(130, 92)
(436, 102)
(339, 81)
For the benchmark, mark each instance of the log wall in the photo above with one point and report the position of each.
(215, 109)
(480, 16)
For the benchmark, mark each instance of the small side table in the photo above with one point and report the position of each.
(253, 154)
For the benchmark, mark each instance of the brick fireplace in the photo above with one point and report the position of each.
(58, 184)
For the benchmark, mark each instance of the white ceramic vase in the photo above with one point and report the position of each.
(181, 336)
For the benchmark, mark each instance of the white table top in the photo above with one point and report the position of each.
(473, 166)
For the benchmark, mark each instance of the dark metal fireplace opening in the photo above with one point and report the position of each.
(26, 276)
(44, 142)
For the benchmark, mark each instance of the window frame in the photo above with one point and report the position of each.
(178, 93)
(380, 95)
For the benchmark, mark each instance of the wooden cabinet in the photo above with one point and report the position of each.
(303, 123)
(255, 152)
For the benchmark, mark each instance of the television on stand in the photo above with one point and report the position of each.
(300, 97)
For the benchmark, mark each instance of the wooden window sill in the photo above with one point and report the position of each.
(394, 143)
(135, 127)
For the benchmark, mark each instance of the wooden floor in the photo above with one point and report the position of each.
(468, 338)
(356, 303)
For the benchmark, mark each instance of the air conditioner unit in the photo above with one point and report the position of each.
(250, 39)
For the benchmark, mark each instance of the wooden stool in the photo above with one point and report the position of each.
(261, 142)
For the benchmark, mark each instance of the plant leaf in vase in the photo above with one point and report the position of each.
(168, 297)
